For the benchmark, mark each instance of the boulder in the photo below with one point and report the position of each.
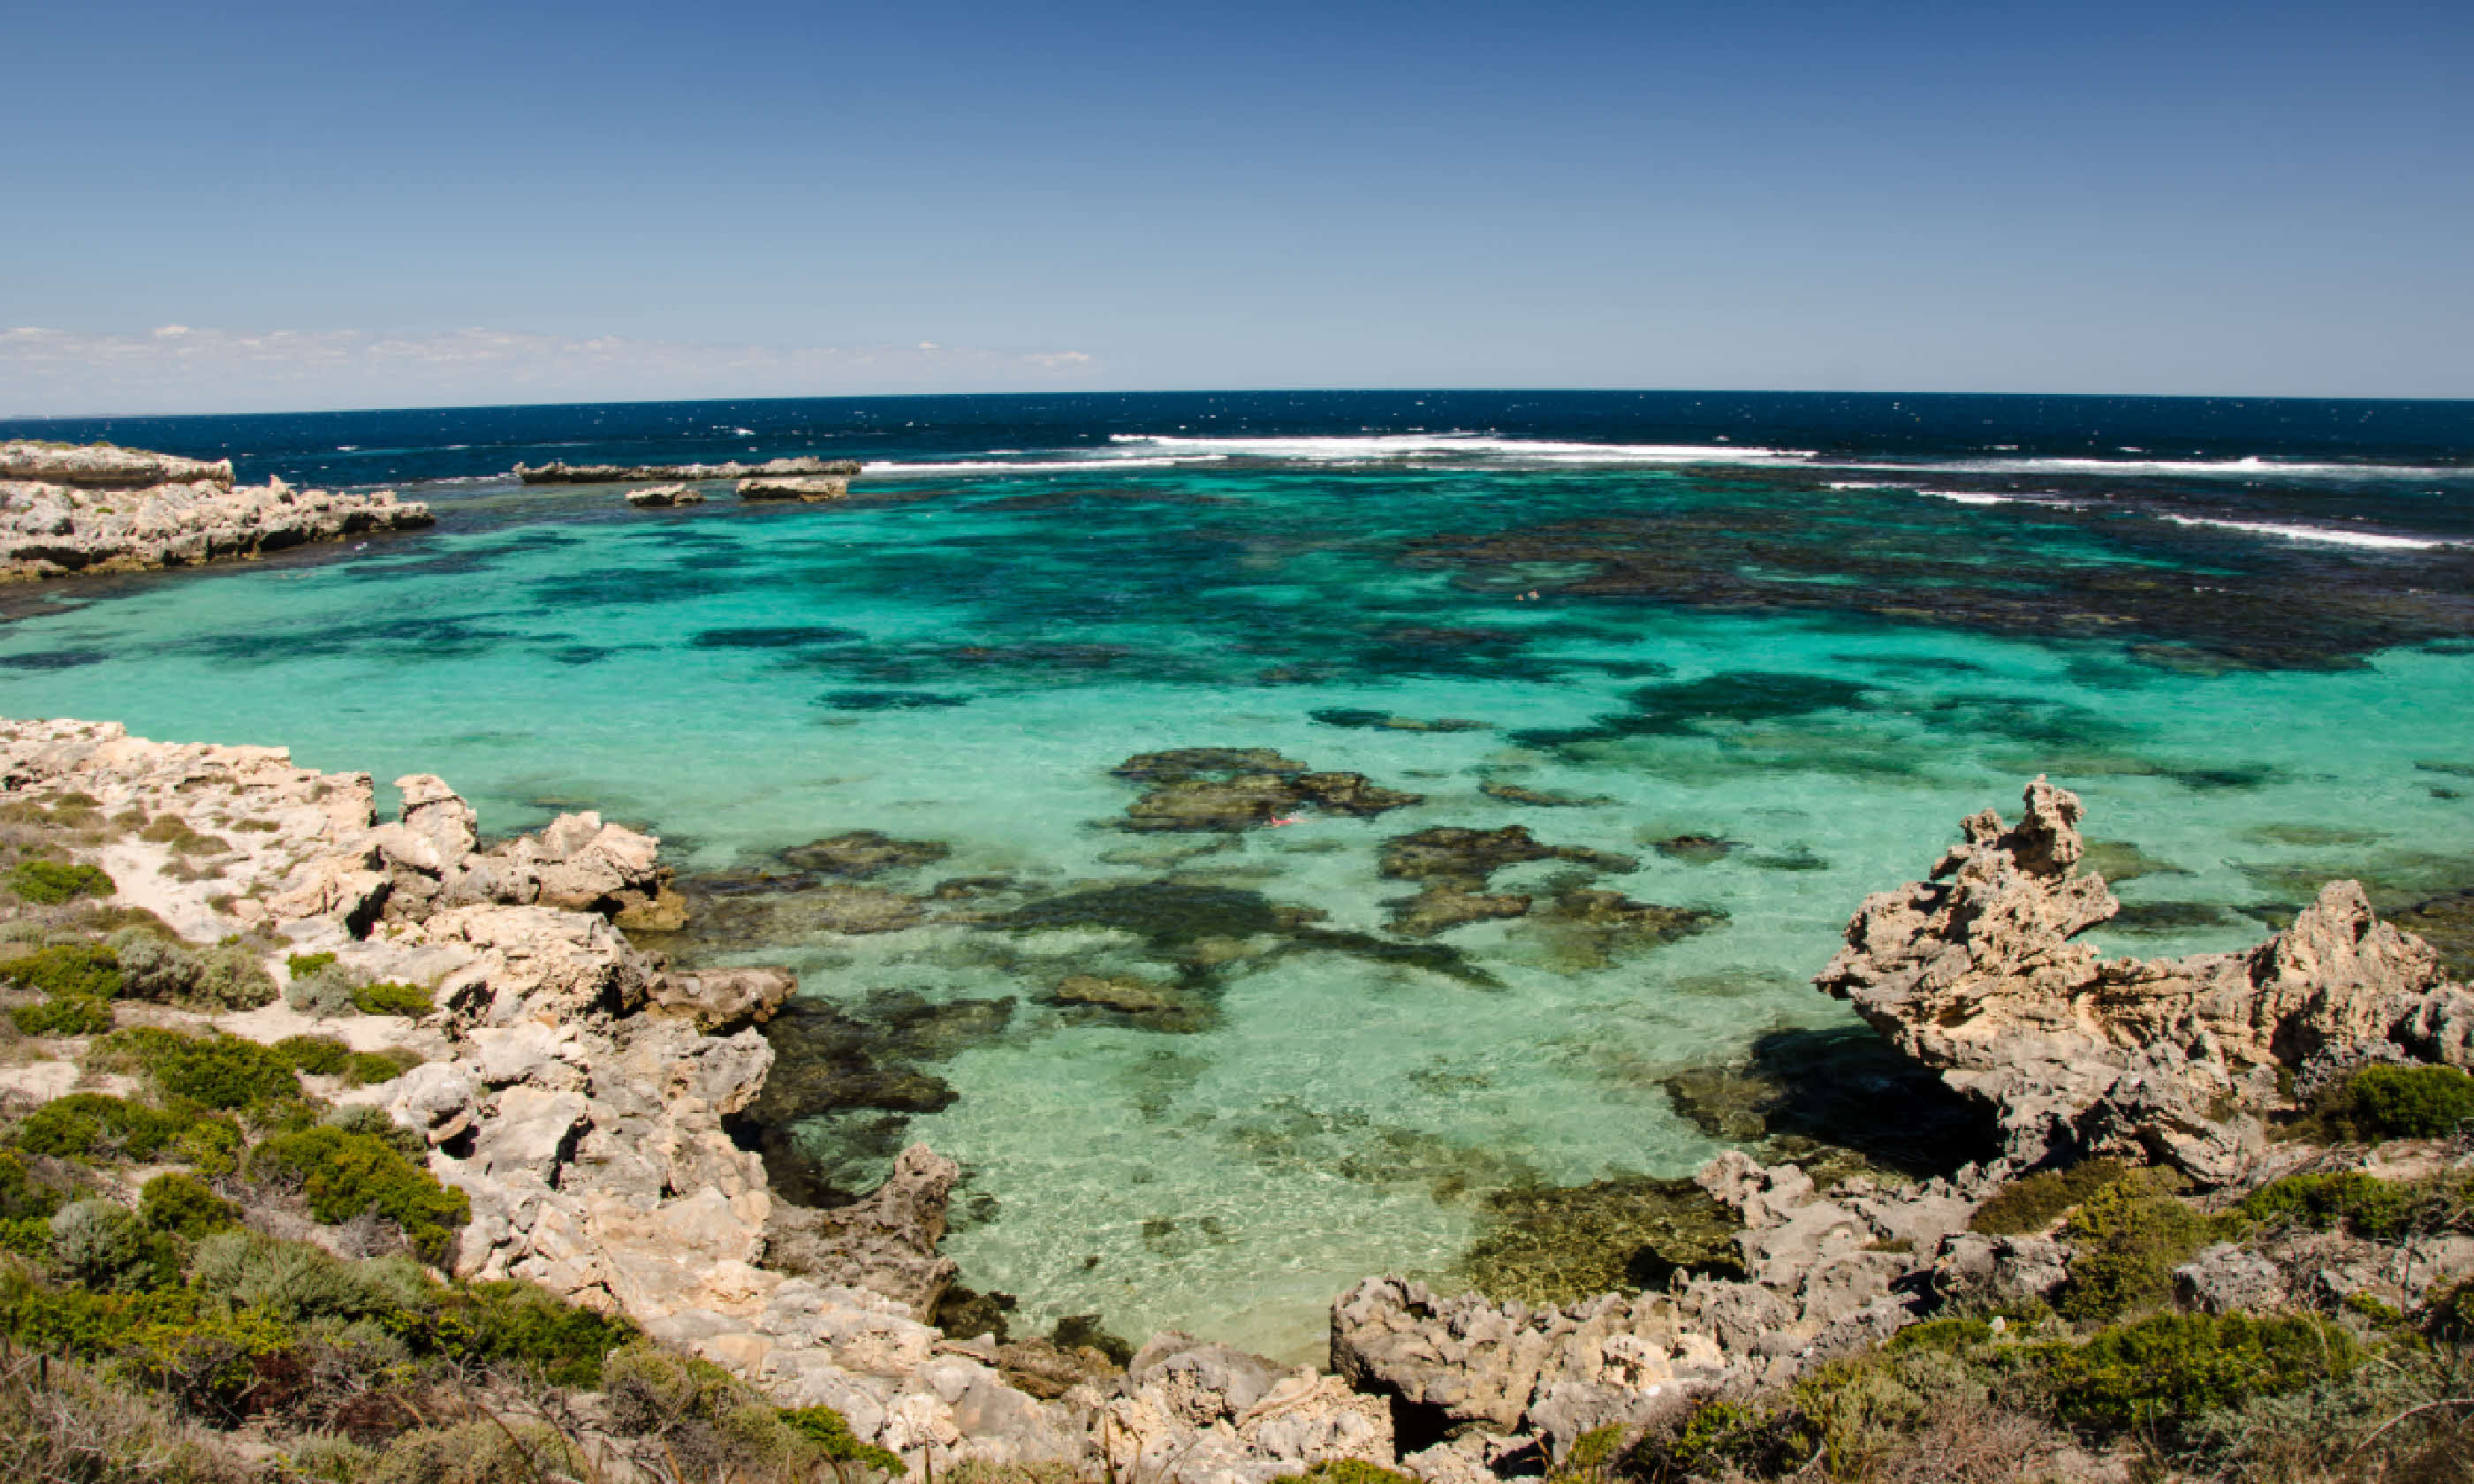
(885, 1243)
(657, 496)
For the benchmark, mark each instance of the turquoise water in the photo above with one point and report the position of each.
(1827, 676)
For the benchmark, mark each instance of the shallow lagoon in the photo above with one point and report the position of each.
(963, 661)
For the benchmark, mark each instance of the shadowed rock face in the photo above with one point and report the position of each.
(1973, 972)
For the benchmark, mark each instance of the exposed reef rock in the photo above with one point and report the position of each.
(562, 473)
(862, 854)
(1228, 789)
(1540, 798)
(809, 488)
(100, 508)
(1455, 863)
(1973, 972)
(658, 495)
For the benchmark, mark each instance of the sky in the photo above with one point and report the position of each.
(257, 207)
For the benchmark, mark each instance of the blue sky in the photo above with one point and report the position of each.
(265, 206)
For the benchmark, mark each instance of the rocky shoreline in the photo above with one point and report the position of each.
(69, 508)
(583, 1097)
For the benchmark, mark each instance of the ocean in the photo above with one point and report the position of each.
(1764, 650)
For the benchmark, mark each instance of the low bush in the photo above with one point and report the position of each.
(2177, 1366)
(2035, 1202)
(214, 1070)
(478, 1453)
(102, 1247)
(183, 1205)
(2449, 1313)
(21, 1194)
(63, 1015)
(2385, 1102)
(93, 1128)
(829, 1433)
(527, 1326)
(320, 1056)
(80, 1324)
(65, 1422)
(152, 967)
(369, 1069)
(712, 1423)
(344, 1173)
(52, 882)
(392, 999)
(2370, 1206)
(300, 966)
(300, 1283)
(2127, 1238)
(323, 993)
(80, 969)
(233, 977)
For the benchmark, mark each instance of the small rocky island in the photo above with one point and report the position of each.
(366, 1149)
(557, 472)
(96, 508)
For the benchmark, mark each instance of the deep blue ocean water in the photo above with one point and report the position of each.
(1814, 630)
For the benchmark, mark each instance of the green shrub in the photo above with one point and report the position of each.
(829, 1432)
(320, 1056)
(2171, 1366)
(92, 1128)
(2128, 1238)
(229, 1367)
(332, 1458)
(80, 969)
(2035, 1202)
(344, 1173)
(101, 1246)
(211, 1146)
(183, 1206)
(300, 1283)
(392, 999)
(300, 966)
(525, 1325)
(21, 1195)
(231, 977)
(1341, 1471)
(63, 1015)
(153, 968)
(85, 1325)
(213, 1069)
(51, 882)
(369, 1069)
(2371, 1206)
(2384, 1102)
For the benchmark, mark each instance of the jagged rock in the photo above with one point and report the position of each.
(886, 1243)
(718, 999)
(2440, 1027)
(558, 472)
(1972, 1267)
(102, 509)
(1973, 972)
(1196, 1412)
(664, 495)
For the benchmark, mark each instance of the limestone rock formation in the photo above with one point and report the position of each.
(1974, 972)
(100, 508)
(809, 488)
(657, 496)
(1231, 789)
(559, 472)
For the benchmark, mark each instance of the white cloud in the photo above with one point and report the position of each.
(177, 369)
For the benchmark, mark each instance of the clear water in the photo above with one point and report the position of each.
(1801, 654)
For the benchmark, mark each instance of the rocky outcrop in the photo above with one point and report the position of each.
(657, 496)
(809, 488)
(562, 473)
(100, 508)
(1975, 972)
(1454, 865)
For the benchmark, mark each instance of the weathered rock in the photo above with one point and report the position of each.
(2226, 1279)
(885, 1244)
(1441, 906)
(719, 999)
(807, 488)
(661, 495)
(1972, 1267)
(1540, 798)
(561, 473)
(1974, 972)
(54, 529)
(106, 466)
